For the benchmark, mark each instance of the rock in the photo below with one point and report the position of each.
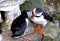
(6, 3)
(1, 37)
(51, 30)
(11, 9)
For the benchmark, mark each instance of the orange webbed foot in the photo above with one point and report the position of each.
(37, 28)
(41, 32)
(25, 37)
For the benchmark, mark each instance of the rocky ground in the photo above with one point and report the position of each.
(51, 33)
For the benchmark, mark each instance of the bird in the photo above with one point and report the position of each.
(19, 25)
(39, 16)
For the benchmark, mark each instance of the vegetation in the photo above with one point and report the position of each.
(31, 4)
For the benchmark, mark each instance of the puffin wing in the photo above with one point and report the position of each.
(47, 16)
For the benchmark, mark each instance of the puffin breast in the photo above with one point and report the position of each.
(39, 20)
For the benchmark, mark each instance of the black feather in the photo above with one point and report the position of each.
(19, 24)
(47, 16)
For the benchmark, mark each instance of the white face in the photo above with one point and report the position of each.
(39, 14)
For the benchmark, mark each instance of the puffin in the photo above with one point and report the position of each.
(19, 25)
(39, 16)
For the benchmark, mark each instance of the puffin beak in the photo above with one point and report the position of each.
(32, 17)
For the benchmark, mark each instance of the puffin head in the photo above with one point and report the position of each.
(37, 11)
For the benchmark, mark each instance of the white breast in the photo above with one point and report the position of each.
(40, 20)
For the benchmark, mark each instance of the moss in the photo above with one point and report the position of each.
(31, 4)
(57, 16)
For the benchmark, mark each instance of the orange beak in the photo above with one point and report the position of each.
(32, 17)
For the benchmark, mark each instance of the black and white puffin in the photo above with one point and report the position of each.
(19, 25)
(39, 16)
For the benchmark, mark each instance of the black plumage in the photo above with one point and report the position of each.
(19, 24)
(47, 16)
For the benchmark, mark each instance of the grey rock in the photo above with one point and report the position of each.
(5, 3)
